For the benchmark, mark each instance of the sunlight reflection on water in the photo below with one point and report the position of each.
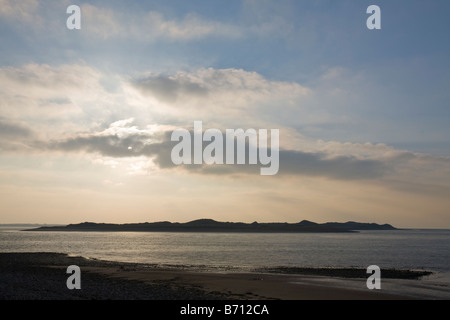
(414, 249)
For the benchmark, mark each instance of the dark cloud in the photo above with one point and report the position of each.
(168, 88)
(291, 162)
(107, 145)
(340, 167)
(13, 130)
(14, 137)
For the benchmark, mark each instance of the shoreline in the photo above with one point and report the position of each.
(42, 276)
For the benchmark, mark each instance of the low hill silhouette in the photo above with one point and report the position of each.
(209, 225)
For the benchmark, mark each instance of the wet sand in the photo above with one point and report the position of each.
(42, 276)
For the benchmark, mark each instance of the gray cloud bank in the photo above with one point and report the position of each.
(9, 129)
(159, 147)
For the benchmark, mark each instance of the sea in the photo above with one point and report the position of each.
(416, 249)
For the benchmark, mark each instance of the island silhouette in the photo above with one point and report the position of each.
(209, 225)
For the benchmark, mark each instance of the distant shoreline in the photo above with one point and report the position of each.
(209, 225)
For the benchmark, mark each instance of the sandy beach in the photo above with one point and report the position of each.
(42, 276)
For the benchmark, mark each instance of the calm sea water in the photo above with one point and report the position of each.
(410, 249)
(416, 249)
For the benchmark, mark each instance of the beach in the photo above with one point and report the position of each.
(42, 276)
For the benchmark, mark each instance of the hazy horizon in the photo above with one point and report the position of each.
(86, 115)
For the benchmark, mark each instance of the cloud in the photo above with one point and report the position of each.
(336, 167)
(41, 19)
(170, 89)
(107, 23)
(121, 140)
(216, 81)
(76, 97)
(8, 130)
(14, 136)
(65, 99)
(116, 22)
(72, 108)
(235, 96)
(24, 11)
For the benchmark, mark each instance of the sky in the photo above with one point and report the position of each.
(86, 115)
